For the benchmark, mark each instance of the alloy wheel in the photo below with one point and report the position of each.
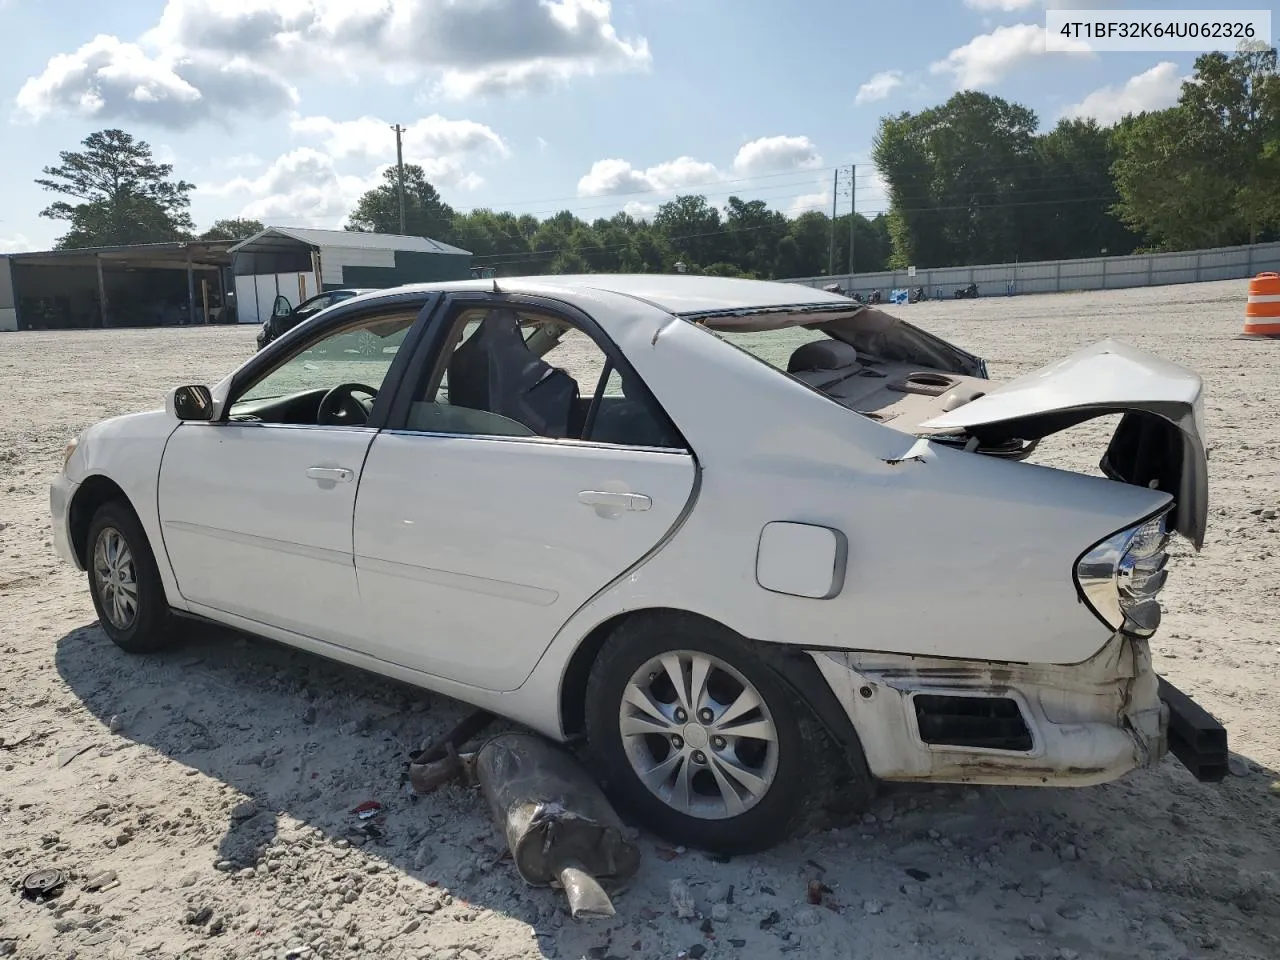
(698, 735)
(115, 578)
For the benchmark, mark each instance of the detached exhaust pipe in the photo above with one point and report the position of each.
(557, 822)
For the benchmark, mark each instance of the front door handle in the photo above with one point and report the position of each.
(332, 474)
(609, 501)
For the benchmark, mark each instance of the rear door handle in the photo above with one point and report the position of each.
(332, 474)
(609, 500)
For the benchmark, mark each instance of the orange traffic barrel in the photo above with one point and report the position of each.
(1262, 314)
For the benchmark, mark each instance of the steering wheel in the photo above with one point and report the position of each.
(341, 400)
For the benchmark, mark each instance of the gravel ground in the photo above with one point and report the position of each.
(212, 785)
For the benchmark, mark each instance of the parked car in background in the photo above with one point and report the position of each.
(722, 532)
(284, 316)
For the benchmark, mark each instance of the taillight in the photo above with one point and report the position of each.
(1121, 576)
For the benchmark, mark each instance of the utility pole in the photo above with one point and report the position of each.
(831, 244)
(853, 210)
(400, 173)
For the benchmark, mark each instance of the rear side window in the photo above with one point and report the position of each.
(520, 373)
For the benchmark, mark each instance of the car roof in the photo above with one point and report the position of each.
(679, 294)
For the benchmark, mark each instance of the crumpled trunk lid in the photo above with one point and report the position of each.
(1160, 440)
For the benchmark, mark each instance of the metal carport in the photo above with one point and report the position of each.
(151, 284)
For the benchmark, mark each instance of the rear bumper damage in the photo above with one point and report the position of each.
(953, 721)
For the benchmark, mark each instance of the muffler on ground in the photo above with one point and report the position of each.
(557, 822)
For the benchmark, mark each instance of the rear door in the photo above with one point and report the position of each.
(483, 524)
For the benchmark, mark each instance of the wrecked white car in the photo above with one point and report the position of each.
(717, 529)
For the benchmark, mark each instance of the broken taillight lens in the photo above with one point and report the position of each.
(1120, 577)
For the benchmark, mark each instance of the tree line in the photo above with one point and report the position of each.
(969, 181)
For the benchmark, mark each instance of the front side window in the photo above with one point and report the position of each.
(357, 355)
(523, 373)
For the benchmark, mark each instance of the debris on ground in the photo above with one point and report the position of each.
(556, 820)
(440, 762)
(367, 810)
(100, 881)
(44, 884)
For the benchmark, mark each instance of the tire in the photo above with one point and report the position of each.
(790, 770)
(142, 626)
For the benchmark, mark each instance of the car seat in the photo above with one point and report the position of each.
(495, 370)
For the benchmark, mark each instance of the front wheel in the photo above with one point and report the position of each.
(699, 738)
(124, 581)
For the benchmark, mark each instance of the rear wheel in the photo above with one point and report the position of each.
(699, 738)
(124, 581)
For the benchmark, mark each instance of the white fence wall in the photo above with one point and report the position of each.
(1057, 276)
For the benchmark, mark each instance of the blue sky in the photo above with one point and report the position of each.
(280, 109)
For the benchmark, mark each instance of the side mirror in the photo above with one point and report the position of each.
(190, 403)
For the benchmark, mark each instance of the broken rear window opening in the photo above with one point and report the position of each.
(903, 377)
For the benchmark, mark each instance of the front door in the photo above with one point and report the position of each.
(256, 509)
(528, 473)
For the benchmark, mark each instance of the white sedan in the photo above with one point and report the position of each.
(720, 530)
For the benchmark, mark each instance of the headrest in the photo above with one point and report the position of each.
(822, 355)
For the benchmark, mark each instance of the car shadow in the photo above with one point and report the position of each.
(298, 742)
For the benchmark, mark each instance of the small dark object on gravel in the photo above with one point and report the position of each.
(921, 875)
(770, 920)
(43, 884)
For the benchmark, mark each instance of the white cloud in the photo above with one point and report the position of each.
(443, 148)
(470, 49)
(810, 202)
(241, 161)
(1152, 89)
(107, 79)
(776, 155)
(879, 86)
(313, 184)
(14, 244)
(1006, 6)
(872, 193)
(370, 136)
(208, 59)
(987, 58)
(613, 177)
(303, 188)
(640, 210)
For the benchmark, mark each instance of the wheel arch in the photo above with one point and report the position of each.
(793, 665)
(93, 492)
